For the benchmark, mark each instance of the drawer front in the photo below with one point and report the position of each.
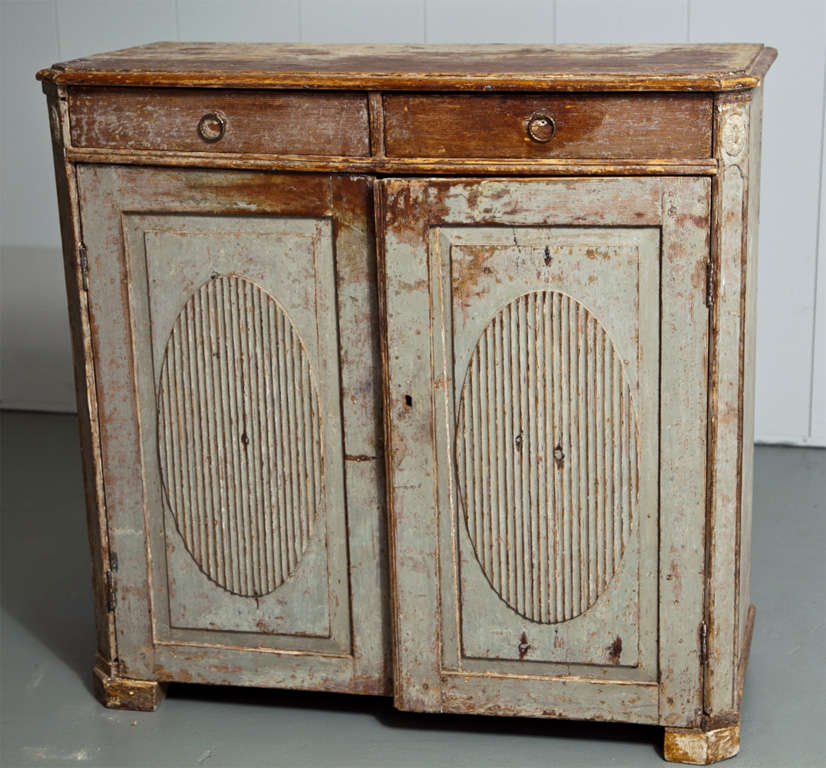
(596, 126)
(204, 120)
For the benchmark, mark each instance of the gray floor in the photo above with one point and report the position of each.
(49, 714)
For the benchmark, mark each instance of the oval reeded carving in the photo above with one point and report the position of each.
(239, 437)
(546, 456)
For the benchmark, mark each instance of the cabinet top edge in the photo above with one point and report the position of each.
(655, 67)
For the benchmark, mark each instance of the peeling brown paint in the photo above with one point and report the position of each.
(421, 67)
(615, 650)
(466, 283)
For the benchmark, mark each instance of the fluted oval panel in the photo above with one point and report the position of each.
(546, 456)
(239, 437)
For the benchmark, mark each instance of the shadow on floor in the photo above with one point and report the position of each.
(45, 555)
(383, 710)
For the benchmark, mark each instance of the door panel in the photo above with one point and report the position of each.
(244, 357)
(546, 450)
(217, 353)
(523, 348)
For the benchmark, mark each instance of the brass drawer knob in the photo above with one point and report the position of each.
(541, 127)
(212, 126)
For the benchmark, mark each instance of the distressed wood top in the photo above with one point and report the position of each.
(705, 67)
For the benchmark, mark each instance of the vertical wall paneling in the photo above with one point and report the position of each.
(817, 427)
(35, 351)
(630, 21)
(791, 356)
(790, 184)
(489, 21)
(241, 21)
(90, 26)
(362, 21)
(28, 213)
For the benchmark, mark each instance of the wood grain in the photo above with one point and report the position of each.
(663, 67)
(84, 376)
(124, 693)
(700, 747)
(402, 166)
(256, 121)
(592, 126)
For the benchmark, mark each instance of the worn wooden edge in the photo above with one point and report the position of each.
(743, 661)
(124, 693)
(693, 746)
(415, 81)
(382, 165)
(551, 698)
(84, 372)
(729, 256)
(684, 341)
(375, 114)
(762, 62)
(379, 198)
(352, 213)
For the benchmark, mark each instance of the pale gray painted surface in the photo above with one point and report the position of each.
(48, 714)
(499, 231)
(791, 357)
(168, 255)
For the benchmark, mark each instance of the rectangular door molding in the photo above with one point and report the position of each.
(231, 502)
(545, 347)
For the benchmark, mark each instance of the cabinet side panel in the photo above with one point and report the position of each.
(121, 459)
(726, 405)
(744, 565)
(84, 373)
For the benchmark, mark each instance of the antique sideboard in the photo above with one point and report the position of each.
(421, 371)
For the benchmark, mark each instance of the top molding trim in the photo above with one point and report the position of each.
(662, 67)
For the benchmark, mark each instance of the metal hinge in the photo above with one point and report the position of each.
(703, 643)
(111, 597)
(711, 278)
(84, 266)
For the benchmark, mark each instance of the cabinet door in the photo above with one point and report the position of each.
(545, 350)
(245, 522)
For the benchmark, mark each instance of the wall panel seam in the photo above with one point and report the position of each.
(820, 253)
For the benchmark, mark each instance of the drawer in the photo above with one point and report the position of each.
(205, 120)
(605, 126)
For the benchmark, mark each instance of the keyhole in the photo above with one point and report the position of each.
(523, 646)
(548, 258)
(408, 401)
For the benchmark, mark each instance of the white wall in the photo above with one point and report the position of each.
(35, 367)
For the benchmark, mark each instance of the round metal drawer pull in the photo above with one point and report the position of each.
(212, 127)
(541, 127)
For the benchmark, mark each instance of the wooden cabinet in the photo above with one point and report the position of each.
(419, 370)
